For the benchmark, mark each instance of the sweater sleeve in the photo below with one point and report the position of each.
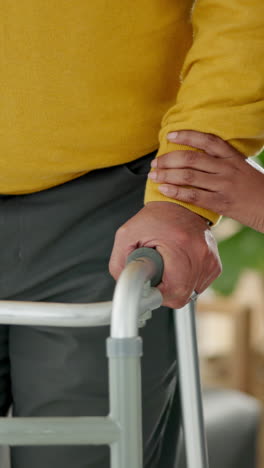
(222, 82)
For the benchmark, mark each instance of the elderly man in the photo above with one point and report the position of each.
(86, 87)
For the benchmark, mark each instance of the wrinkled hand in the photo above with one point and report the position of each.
(183, 239)
(220, 178)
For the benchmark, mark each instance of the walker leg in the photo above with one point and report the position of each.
(190, 387)
(125, 400)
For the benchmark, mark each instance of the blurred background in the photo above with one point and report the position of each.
(231, 316)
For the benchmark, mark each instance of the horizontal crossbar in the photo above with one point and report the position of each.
(58, 431)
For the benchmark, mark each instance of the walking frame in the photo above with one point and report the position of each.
(133, 300)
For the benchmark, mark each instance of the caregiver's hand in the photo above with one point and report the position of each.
(219, 178)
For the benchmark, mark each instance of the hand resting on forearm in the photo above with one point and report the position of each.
(218, 178)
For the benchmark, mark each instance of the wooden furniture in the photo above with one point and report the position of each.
(231, 331)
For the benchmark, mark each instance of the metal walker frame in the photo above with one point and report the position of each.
(122, 428)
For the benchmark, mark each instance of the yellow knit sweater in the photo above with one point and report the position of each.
(86, 85)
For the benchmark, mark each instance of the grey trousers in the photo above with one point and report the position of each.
(55, 246)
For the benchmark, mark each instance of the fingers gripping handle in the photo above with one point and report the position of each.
(144, 265)
(152, 254)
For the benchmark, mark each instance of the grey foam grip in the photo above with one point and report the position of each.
(155, 257)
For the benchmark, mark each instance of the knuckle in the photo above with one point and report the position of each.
(193, 196)
(160, 175)
(233, 172)
(159, 160)
(224, 202)
(183, 292)
(188, 176)
(165, 159)
(121, 232)
(212, 138)
(190, 157)
(210, 141)
(226, 186)
(174, 192)
(163, 176)
(184, 237)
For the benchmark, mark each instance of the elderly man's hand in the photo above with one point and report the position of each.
(183, 238)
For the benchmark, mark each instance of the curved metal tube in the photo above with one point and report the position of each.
(190, 386)
(68, 315)
(128, 292)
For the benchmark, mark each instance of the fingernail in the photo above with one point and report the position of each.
(163, 189)
(154, 163)
(173, 135)
(153, 175)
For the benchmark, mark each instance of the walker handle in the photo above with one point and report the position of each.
(152, 254)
